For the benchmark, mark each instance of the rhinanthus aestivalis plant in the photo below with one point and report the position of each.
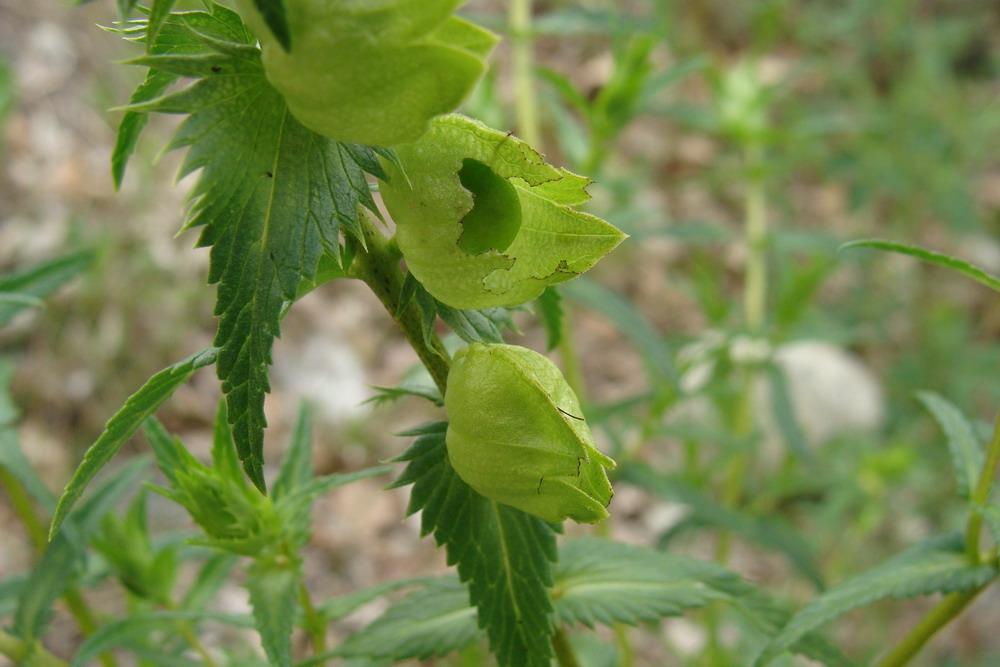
(294, 113)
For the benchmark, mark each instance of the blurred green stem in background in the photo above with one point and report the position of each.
(27, 654)
(519, 18)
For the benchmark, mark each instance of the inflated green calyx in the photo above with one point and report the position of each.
(516, 435)
(371, 71)
(483, 221)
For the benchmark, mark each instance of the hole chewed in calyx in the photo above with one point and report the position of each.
(495, 218)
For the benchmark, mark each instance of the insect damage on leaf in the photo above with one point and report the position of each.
(483, 221)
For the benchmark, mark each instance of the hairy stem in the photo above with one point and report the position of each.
(378, 267)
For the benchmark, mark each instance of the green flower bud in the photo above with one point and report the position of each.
(517, 435)
(371, 71)
(483, 221)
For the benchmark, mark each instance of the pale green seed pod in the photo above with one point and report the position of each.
(483, 221)
(516, 435)
(371, 71)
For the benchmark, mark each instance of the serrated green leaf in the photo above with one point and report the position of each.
(503, 555)
(433, 621)
(159, 10)
(939, 565)
(599, 581)
(768, 616)
(37, 282)
(126, 631)
(177, 32)
(936, 258)
(966, 453)
(271, 197)
(274, 589)
(63, 555)
(124, 423)
(10, 590)
(766, 531)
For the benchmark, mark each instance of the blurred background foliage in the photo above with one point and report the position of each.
(758, 385)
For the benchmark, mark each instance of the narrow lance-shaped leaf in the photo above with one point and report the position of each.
(36, 282)
(124, 423)
(63, 556)
(966, 454)
(271, 197)
(129, 630)
(937, 258)
(938, 565)
(766, 531)
(598, 581)
(274, 588)
(503, 555)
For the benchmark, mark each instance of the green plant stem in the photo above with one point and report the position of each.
(755, 231)
(38, 535)
(952, 605)
(23, 653)
(626, 657)
(942, 613)
(186, 630)
(565, 655)
(314, 624)
(84, 617)
(519, 17)
(567, 354)
(981, 494)
(191, 637)
(24, 509)
(378, 267)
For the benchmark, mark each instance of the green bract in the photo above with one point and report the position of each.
(482, 221)
(371, 71)
(517, 435)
